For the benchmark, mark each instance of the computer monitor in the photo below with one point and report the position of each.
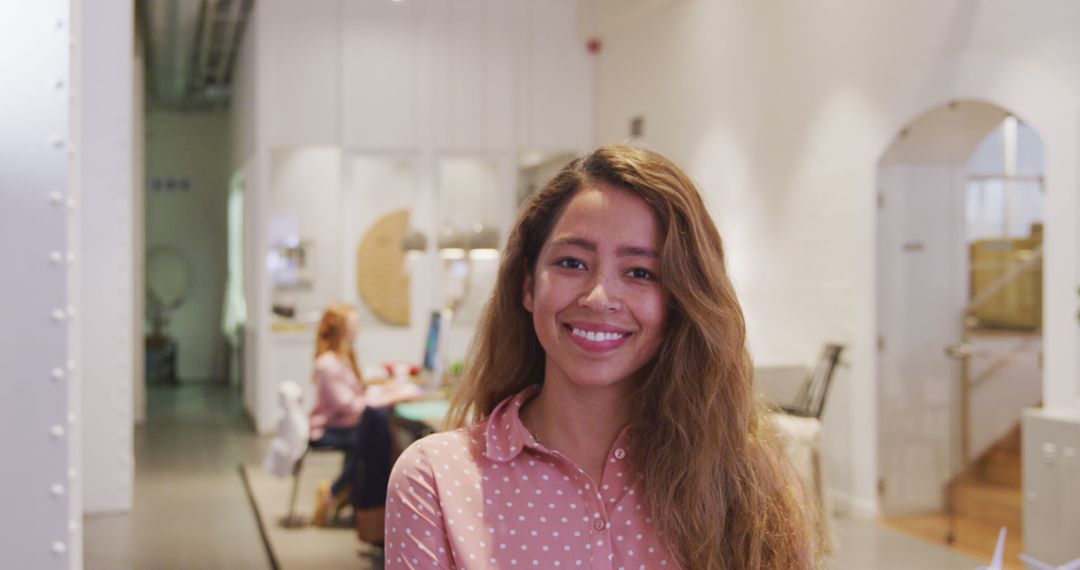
(435, 347)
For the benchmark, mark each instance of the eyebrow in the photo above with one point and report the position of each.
(621, 251)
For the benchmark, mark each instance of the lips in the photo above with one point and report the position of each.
(597, 337)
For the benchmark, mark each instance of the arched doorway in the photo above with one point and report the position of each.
(959, 317)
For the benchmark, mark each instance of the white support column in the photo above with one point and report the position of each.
(1061, 274)
(111, 260)
(39, 356)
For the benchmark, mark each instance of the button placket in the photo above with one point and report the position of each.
(600, 537)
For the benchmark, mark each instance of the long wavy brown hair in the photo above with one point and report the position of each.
(714, 480)
(331, 336)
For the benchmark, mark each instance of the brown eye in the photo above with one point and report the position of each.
(570, 263)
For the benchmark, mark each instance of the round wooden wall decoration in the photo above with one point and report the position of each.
(380, 269)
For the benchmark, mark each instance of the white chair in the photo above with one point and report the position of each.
(291, 439)
(290, 446)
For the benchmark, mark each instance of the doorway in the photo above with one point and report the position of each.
(234, 311)
(960, 210)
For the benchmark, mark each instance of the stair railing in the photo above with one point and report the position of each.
(962, 351)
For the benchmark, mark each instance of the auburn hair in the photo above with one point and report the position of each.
(331, 336)
(715, 482)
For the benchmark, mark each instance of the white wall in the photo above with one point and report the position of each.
(39, 358)
(243, 157)
(422, 81)
(781, 114)
(192, 146)
(111, 262)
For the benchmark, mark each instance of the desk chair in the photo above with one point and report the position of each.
(800, 429)
(810, 401)
(291, 520)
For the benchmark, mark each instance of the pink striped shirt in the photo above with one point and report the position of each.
(339, 395)
(490, 496)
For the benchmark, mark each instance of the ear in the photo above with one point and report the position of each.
(527, 291)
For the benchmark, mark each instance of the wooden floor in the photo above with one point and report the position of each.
(973, 537)
(987, 496)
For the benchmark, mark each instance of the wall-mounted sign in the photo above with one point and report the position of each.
(169, 184)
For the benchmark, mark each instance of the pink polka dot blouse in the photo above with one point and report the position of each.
(490, 496)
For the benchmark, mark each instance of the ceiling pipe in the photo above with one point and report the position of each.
(191, 48)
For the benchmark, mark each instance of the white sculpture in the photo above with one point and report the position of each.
(292, 435)
(997, 563)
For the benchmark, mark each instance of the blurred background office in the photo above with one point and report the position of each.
(187, 184)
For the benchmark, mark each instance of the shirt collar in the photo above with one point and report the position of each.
(505, 436)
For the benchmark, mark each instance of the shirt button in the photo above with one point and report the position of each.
(598, 524)
(619, 453)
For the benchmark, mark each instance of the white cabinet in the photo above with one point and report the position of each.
(379, 64)
(298, 77)
(555, 74)
(468, 62)
(470, 76)
(1051, 480)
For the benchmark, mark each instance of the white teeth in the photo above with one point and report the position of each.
(598, 336)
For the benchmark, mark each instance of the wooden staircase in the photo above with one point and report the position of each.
(986, 497)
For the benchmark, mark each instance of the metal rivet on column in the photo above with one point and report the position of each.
(71, 310)
(57, 432)
(58, 315)
(73, 474)
(71, 366)
(56, 490)
(72, 419)
(56, 198)
(59, 547)
(71, 203)
(70, 257)
(57, 373)
(73, 526)
(56, 258)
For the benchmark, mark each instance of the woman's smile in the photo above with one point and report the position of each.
(597, 337)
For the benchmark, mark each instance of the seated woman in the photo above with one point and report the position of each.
(609, 415)
(345, 418)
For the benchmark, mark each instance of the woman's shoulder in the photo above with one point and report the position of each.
(449, 449)
(328, 362)
(452, 441)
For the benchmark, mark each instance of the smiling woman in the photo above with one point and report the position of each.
(607, 414)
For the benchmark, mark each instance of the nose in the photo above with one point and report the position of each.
(598, 297)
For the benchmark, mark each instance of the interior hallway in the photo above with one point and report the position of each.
(191, 510)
